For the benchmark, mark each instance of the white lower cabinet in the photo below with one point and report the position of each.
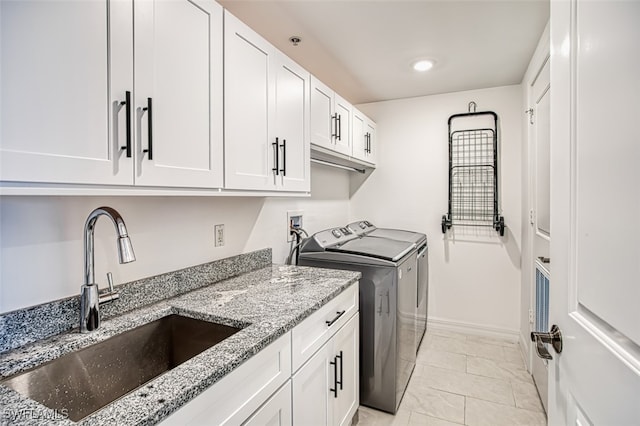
(235, 398)
(326, 388)
(276, 411)
(322, 352)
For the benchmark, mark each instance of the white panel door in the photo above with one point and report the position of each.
(276, 411)
(595, 206)
(66, 66)
(250, 147)
(540, 92)
(370, 130)
(342, 139)
(322, 119)
(358, 138)
(312, 400)
(178, 97)
(346, 344)
(292, 125)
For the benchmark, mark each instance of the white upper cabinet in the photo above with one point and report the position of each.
(370, 134)
(178, 93)
(292, 125)
(266, 114)
(66, 68)
(342, 119)
(330, 119)
(69, 110)
(363, 139)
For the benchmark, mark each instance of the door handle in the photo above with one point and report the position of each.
(127, 104)
(339, 382)
(540, 338)
(334, 124)
(284, 157)
(335, 377)
(388, 303)
(276, 169)
(149, 110)
(544, 259)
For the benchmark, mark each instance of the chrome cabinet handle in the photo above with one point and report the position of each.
(540, 338)
(388, 303)
(338, 315)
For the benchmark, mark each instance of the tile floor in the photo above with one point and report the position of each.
(465, 380)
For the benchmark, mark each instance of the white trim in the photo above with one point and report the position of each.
(524, 351)
(474, 329)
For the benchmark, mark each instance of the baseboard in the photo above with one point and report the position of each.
(524, 349)
(474, 329)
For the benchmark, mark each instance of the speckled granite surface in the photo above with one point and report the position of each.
(268, 302)
(25, 326)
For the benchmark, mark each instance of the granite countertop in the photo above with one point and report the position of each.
(265, 303)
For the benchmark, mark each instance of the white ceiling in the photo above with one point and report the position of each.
(364, 49)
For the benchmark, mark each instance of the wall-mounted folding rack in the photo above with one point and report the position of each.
(473, 171)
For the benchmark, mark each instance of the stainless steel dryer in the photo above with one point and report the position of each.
(387, 307)
(365, 227)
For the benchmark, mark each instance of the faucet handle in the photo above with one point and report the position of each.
(110, 281)
(109, 295)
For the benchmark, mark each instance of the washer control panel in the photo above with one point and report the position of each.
(334, 236)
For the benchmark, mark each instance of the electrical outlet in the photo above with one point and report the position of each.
(218, 235)
(294, 219)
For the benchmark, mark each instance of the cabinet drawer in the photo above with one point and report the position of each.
(313, 332)
(232, 400)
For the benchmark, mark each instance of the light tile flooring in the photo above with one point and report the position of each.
(465, 380)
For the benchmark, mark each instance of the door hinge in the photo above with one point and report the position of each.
(531, 217)
(530, 316)
(530, 112)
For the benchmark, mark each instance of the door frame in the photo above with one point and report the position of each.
(540, 57)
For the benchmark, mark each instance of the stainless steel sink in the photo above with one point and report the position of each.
(85, 381)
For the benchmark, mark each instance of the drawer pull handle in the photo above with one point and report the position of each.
(338, 315)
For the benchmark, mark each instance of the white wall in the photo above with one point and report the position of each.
(474, 275)
(42, 247)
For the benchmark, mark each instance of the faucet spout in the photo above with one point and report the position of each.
(90, 298)
(125, 249)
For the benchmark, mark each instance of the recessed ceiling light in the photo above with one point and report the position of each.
(423, 65)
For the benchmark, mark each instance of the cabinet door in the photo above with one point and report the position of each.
(346, 345)
(311, 396)
(343, 135)
(370, 129)
(359, 137)
(66, 66)
(178, 65)
(322, 121)
(292, 125)
(276, 411)
(249, 96)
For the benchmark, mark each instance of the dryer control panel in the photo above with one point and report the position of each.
(361, 227)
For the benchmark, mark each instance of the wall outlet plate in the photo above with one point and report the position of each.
(294, 218)
(218, 235)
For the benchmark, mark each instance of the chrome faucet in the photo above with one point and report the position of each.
(90, 297)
